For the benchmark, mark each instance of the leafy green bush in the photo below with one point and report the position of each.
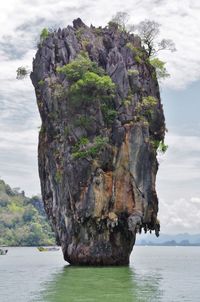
(162, 147)
(138, 59)
(146, 107)
(84, 148)
(89, 84)
(159, 146)
(44, 35)
(155, 144)
(90, 88)
(41, 82)
(83, 141)
(161, 71)
(87, 81)
(109, 114)
(138, 54)
(76, 69)
(149, 102)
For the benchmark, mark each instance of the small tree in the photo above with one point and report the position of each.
(44, 34)
(121, 18)
(148, 31)
(22, 72)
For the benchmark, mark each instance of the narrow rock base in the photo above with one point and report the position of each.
(100, 252)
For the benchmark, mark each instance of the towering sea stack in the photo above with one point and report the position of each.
(102, 122)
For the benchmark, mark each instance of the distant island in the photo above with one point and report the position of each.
(183, 239)
(22, 220)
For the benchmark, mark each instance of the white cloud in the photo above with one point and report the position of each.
(195, 201)
(18, 158)
(181, 161)
(181, 215)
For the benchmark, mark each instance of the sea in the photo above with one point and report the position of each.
(169, 274)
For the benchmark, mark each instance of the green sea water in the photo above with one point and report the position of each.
(170, 274)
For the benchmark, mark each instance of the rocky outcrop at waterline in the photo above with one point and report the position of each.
(102, 122)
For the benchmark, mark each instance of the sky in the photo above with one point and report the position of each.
(178, 178)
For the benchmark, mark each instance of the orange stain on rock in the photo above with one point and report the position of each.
(103, 193)
(124, 195)
(115, 185)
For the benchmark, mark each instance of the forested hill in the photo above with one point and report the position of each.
(22, 219)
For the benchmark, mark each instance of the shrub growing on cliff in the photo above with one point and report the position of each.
(87, 81)
(138, 53)
(109, 114)
(76, 69)
(162, 147)
(149, 31)
(44, 35)
(22, 72)
(146, 107)
(149, 102)
(159, 146)
(161, 71)
(91, 87)
(84, 148)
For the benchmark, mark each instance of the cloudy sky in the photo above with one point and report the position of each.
(178, 181)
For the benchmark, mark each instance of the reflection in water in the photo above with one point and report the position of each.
(113, 284)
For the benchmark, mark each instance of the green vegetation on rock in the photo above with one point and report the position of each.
(22, 219)
(87, 81)
(76, 69)
(146, 107)
(109, 114)
(159, 146)
(84, 148)
(41, 82)
(161, 71)
(90, 88)
(138, 54)
(89, 85)
(44, 35)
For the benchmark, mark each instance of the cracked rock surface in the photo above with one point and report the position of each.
(97, 203)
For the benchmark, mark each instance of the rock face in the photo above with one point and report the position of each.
(102, 122)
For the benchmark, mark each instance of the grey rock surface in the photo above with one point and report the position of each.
(97, 204)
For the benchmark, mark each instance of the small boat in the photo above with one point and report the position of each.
(48, 249)
(3, 252)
